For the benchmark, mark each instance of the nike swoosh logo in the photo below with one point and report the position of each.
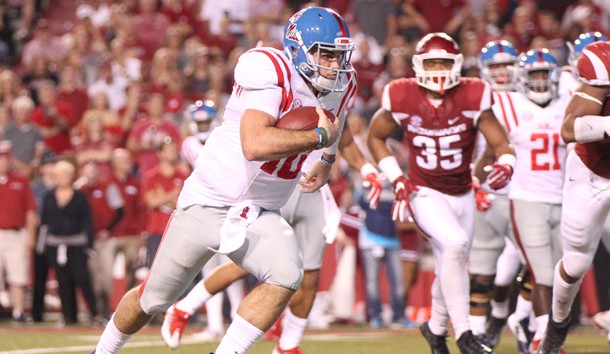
(452, 121)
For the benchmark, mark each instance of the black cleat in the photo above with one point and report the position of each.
(555, 336)
(469, 344)
(438, 344)
(483, 339)
(494, 330)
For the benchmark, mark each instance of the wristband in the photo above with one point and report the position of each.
(325, 161)
(390, 167)
(591, 128)
(366, 169)
(507, 159)
(320, 138)
(324, 136)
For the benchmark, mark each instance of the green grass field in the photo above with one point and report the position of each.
(340, 340)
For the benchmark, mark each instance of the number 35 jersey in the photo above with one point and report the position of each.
(440, 139)
(265, 80)
(535, 134)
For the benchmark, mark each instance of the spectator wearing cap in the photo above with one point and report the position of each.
(107, 210)
(67, 229)
(44, 183)
(54, 118)
(17, 230)
(148, 133)
(161, 187)
(44, 44)
(25, 138)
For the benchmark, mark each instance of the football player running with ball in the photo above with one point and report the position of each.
(244, 174)
(440, 113)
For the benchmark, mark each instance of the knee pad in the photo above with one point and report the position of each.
(286, 273)
(480, 291)
(576, 264)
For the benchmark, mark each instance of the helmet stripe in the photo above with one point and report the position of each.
(601, 73)
(341, 24)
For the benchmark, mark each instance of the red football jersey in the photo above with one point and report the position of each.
(440, 139)
(594, 69)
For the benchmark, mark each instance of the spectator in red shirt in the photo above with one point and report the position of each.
(17, 230)
(107, 210)
(160, 188)
(70, 90)
(148, 133)
(54, 118)
(443, 16)
(95, 144)
(127, 233)
(149, 27)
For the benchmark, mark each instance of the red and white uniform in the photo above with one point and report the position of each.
(441, 139)
(264, 80)
(587, 184)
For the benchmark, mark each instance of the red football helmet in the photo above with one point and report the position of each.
(437, 46)
(594, 64)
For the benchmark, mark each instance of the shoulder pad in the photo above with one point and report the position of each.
(261, 68)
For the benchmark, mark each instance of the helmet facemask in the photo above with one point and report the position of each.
(310, 68)
(501, 76)
(438, 80)
(540, 90)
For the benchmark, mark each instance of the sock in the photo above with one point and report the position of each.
(292, 330)
(240, 336)
(16, 314)
(213, 309)
(454, 284)
(499, 309)
(439, 316)
(532, 323)
(541, 322)
(523, 308)
(477, 324)
(235, 293)
(112, 339)
(194, 299)
(563, 296)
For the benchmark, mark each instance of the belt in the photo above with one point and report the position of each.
(11, 228)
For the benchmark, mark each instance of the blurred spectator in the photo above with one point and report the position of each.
(148, 133)
(132, 110)
(113, 86)
(397, 65)
(443, 16)
(71, 90)
(107, 210)
(95, 144)
(10, 87)
(376, 18)
(585, 14)
(163, 69)
(409, 23)
(86, 51)
(98, 10)
(5, 120)
(37, 71)
(17, 230)
(116, 129)
(125, 66)
(44, 182)
(224, 41)
(181, 14)
(161, 187)
(550, 30)
(44, 44)
(198, 74)
(24, 137)
(127, 233)
(54, 118)
(67, 230)
(234, 12)
(149, 27)
(174, 42)
(522, 28)
(369, 67)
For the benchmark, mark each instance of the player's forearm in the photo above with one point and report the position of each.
(352, 154)
(273, 144)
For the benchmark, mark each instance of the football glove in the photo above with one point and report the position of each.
(499, 175)
(403, 192)
(370, 179)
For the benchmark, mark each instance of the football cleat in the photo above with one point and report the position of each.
(469, 344)
(173, 326)
(521, 332)
(275, 331)
(295, 350)
(438, 344)
(555, 336)
(494, 330)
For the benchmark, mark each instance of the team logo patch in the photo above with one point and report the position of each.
(416, 121)
(292, 33)
(297, 103)
(244, 213)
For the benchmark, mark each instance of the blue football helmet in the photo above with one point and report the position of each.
(538, 87)
(315, 29)
(201, 117)
(498, 64)
(580, 43)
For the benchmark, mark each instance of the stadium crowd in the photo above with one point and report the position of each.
(95, 106)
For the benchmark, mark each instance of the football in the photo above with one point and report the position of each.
(302, 118)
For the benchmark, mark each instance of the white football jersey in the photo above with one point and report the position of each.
(568, 80)
(534, 133)
(265, 80)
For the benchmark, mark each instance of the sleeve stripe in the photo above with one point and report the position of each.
(282, 80)
(601, 73)
(512, 109)
(350, 92)
(501, 101)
